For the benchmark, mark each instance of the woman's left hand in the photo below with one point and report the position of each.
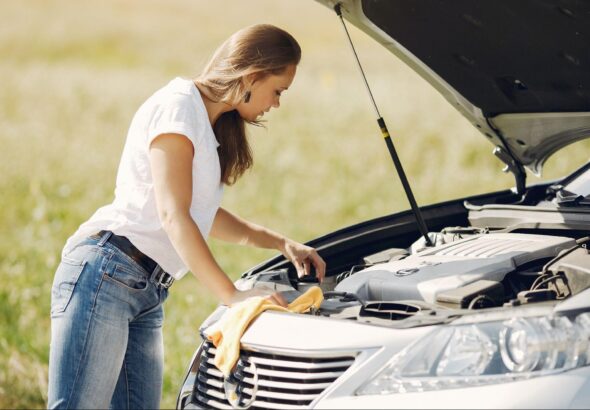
(303, 256)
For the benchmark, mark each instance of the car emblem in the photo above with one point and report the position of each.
(234, 389)
(406, 272)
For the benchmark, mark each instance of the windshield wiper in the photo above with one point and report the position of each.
(566, 198)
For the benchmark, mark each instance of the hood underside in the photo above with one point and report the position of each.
(518, 70)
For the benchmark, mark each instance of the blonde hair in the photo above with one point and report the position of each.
(261, 49)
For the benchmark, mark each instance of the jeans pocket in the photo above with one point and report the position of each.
(127, 278)
(64, 282)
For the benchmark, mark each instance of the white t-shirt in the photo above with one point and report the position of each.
(176, 108)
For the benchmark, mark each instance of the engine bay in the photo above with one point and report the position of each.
(501, 254)
(467, 269)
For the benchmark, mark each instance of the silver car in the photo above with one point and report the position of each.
(480, 302)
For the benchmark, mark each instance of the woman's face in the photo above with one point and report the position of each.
(265, 93)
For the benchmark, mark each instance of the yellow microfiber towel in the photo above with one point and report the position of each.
(226, 333)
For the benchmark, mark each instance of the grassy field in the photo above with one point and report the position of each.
(74, 72)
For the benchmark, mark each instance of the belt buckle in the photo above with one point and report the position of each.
(162, 278)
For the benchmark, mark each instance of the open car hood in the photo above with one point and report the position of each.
(519, 70)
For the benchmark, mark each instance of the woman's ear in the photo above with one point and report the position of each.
(249, 80)
(252, 78)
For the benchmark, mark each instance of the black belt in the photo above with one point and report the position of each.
(157, 274)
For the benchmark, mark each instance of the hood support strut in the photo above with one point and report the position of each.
(514, 167)
(504, 154)
(398, 165)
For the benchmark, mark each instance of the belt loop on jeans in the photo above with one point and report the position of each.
(105, 237)
(156, 273)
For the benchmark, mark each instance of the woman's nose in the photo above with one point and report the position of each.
(276, 103)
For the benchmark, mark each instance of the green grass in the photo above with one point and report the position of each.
(73, 73)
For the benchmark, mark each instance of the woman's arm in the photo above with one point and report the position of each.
(231, 228)
(171, 157)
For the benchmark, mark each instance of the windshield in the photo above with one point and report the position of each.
(580, 185)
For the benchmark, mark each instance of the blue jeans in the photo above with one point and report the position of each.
(106, 331)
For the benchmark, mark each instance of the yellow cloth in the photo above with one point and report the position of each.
(226, 333)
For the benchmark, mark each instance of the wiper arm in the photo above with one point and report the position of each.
(566, 198)
(398, 165)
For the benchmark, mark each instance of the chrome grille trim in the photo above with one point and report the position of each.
(285, 381)
(295, 375)
(292, 364)
(282, 396)
(299, 365)
(272, 384)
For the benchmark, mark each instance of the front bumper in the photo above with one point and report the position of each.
(372, 347)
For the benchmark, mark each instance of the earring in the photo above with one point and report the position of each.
(247, 96)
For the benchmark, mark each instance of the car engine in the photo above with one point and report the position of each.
(434, 275)
(466, 270)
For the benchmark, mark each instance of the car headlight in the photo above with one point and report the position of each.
(476, 354)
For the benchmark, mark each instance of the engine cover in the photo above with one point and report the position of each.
(421, 276)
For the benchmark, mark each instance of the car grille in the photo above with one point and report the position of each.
(284, 382)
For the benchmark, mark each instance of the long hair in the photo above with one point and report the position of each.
(261, 49)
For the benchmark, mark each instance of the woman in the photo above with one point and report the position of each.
(184, 143)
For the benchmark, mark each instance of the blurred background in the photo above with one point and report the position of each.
(72, 75)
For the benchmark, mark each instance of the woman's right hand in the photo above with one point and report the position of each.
(268, 293)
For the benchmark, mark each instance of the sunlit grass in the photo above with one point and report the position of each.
(73, 74)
